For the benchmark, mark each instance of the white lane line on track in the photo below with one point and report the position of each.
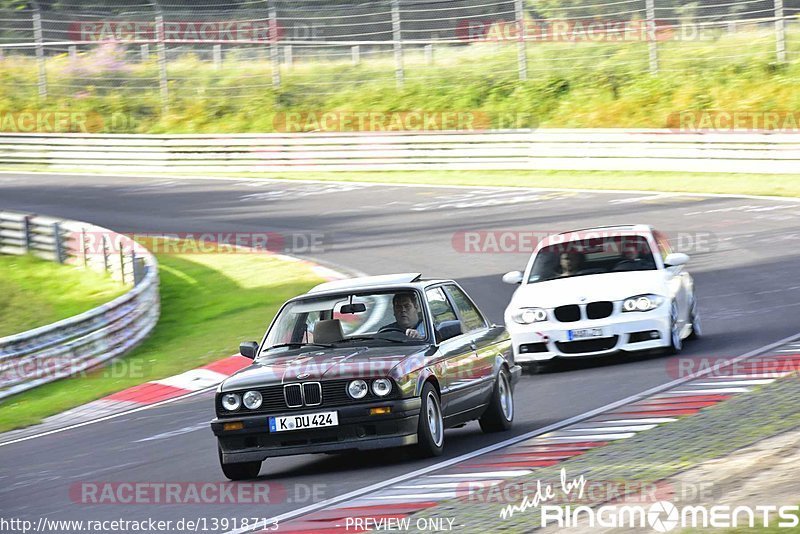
(656, 420)
(106, 418)
(632, 428)
(703, 391)
(487, 474)
(503, 444)
(389, 184)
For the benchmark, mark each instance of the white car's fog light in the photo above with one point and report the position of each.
(641, 303)
(530, 315)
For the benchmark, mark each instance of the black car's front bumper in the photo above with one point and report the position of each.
(357, 429)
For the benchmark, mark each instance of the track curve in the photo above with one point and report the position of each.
(746, 274)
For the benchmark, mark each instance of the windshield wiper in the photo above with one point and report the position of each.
(373, 338)
(301, 344)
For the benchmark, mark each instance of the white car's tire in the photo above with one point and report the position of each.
(694, 318)
(675, 341)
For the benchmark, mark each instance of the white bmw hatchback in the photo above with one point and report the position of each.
(598, 291)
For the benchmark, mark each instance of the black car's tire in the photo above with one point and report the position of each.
(239, 471)
(430, 429)
(499, 416)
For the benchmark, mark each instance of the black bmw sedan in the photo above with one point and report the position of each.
(365, 363)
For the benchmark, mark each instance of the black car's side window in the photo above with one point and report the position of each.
(440, 307)
(470, 316)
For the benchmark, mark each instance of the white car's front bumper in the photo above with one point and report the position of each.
(632, 331)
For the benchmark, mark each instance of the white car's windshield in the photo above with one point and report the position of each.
(387, 317)
(592, 256)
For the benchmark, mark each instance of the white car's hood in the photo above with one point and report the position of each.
(589, 288)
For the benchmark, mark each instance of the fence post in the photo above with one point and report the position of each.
(287, 56)
(652, 42)
(355, 52)
(26, 230)
(274, 53)
(216, 54)
(84, 252)
(38, 36)
(780, 31)
(397, 37)
(162, 62)
(522, 45)
(144, 52)
(59, 244)
(429, 54)
(121, 263)
(106, 263)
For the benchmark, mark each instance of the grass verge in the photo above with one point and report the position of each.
(36, 292)
(209, 303)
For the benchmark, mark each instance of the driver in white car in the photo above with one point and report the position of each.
(407, 316)
(571, 263)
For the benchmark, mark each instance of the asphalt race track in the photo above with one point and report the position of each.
(746, 270)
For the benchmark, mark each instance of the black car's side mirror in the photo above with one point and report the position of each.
(248, 349)
(449, 329)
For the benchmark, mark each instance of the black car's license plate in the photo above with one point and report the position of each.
(301, 422)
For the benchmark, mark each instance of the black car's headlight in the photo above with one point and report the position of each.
(529, 315)
(231, 402)
(357, 389)
(641, 303)
(382, 387)
(252, 400)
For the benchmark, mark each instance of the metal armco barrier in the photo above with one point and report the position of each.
(91, 338)
(595, 149)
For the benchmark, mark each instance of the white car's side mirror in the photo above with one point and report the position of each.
(676, 259)
(513, 278)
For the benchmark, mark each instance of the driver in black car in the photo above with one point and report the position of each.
(408, 317)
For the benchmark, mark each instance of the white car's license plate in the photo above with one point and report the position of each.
(302, 422)
(585, 333)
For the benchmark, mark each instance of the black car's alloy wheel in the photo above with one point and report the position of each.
(239, 471)
(430, 430)
(500, 414)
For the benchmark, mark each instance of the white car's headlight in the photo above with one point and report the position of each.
(642, 303)
(252, 400)
(357, 389)
(529, 315)
(231, 402)
(382, 387)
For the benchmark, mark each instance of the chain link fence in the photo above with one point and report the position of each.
(151, 52)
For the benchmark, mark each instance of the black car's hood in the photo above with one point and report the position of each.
(327, 364)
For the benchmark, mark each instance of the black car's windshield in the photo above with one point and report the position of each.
(596, 255)
(349, 318)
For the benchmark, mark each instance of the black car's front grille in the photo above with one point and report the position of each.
(325, 394)
(312, 393)
(293, 395)
(599, 310)
(587, 345)
(568, 314)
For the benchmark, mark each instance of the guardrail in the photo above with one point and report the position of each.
(87, 340)
(631, 150)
